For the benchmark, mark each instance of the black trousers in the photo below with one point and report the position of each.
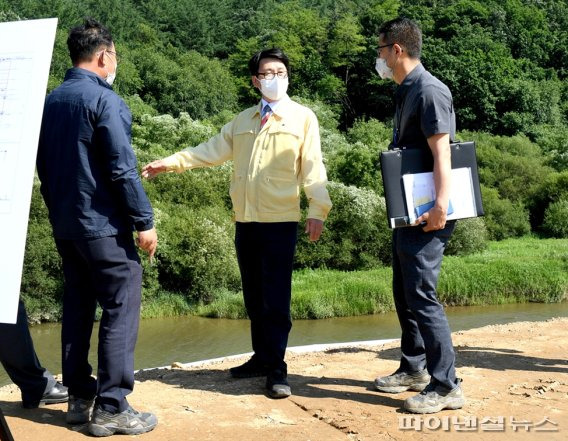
(105, 270)
(265, 252)
(19, 358)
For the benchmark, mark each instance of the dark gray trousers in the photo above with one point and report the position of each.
(426, 337)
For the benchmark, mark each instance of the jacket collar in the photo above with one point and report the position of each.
(77, 73)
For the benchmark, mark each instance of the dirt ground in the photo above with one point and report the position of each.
(515, 378)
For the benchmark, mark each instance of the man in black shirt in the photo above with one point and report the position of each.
(424, 119)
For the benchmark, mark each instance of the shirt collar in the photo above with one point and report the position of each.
(412, 76)
(80, 73)
(277, 107)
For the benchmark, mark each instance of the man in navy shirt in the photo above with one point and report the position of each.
(92, 189)
(424, 119)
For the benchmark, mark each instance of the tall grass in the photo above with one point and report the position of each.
(510, 271)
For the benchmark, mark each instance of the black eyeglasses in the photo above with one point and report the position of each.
(271, 75)
(384, 45)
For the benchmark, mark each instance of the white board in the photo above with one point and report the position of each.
(25, 56)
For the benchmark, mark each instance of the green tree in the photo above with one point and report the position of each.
(175, 82)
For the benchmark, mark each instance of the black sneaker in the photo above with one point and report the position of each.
(277, 385)
(252, 368)
(128, 422)
(79, 410)
(401, 381)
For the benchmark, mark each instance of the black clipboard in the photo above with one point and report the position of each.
(401, 161)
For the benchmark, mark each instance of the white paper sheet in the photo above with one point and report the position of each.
(420, 194)
(25, 56)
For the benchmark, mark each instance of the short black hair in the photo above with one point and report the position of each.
(85, 40)
(405, 32)
(254, 62)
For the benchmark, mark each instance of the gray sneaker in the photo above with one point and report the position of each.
(401, 381)
(79, 410)
(128, 422)
(435, 398)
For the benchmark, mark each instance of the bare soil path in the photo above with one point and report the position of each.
(515, 378)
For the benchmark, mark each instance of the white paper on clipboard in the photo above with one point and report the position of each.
(420, 194)
(25, 56)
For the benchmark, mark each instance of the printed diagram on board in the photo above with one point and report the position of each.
(15, 70)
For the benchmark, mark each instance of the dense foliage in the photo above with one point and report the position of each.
(183, 73)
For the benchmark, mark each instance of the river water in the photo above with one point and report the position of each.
(186, 339)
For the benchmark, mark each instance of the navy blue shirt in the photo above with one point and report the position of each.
(86, 165)
(424, 107)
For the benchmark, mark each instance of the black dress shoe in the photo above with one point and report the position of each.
(57, 394)
(250, 369)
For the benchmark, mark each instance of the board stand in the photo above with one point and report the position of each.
(5, 434)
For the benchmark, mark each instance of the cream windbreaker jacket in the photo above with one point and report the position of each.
(270, 164)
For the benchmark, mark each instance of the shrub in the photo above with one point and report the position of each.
(328, 115)
(357, 165)
(372, 133)
(198, 188)
(356, 234)
(139, 108)
(556, 219)
(470, 236)
(332, 144)
(503, 218)
(553, 140)
(513, 165)
(158, 136)
(196, 254)
(552, 188)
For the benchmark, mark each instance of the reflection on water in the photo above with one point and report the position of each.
(186, 339)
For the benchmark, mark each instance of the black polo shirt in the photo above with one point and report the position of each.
(424, 107)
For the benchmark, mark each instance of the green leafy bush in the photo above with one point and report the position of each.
(553, 140)
(503, 218)
(353, 158)
(556, 219)
(371, 133)
(470, 236)
(357, 165)
(512, 165)
(161, 135)
(552, 188)
(356, 234)
(196, 254)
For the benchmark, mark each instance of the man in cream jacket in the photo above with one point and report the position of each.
(275, 149)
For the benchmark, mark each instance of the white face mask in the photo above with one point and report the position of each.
(275, 88)
(382, 69)
(111, 76)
